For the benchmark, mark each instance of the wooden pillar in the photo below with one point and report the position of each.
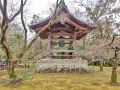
(75, 45)
(49, 45)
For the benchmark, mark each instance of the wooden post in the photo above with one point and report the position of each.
(75, 45)
(25, 65)
(28, 66)
(49, 43)
(48, 47)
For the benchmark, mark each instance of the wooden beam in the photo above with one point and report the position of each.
(62, 28)
(83, 31)
(66, 39)
(62, 34)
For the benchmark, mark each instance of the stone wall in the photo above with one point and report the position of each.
(61, 65)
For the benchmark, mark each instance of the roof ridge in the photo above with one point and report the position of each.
(63, 6)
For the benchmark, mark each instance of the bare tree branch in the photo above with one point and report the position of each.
(18, 12)
(23, 23)
(37, 35)
(1, 7)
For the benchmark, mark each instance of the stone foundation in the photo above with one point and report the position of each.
(62, 66)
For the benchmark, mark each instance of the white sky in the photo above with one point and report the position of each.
(38, 6)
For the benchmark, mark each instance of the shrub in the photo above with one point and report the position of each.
(108, 63)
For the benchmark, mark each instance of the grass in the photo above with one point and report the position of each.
(55, 81)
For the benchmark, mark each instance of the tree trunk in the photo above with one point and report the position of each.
(104, 62)
(114, 67)
(10, 69)
(101, 64)
(114, 75)
(11, 73)
(93, 78)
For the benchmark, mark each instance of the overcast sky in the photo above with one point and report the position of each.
(37, 6)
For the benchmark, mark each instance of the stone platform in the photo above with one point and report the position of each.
(61, 65)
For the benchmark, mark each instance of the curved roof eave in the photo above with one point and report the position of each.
(71, 16)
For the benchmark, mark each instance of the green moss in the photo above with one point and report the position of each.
(60, 81)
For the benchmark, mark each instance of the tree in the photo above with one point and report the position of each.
(7, 18)
(101, 13)
(104, 14)
(114, 46)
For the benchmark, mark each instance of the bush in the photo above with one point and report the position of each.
(108, 63)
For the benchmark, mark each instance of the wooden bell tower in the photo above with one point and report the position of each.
(66, 25)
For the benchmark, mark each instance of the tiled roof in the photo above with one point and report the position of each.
(72, 17)
(40, 23)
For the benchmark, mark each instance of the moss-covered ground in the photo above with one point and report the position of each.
(55, 81)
